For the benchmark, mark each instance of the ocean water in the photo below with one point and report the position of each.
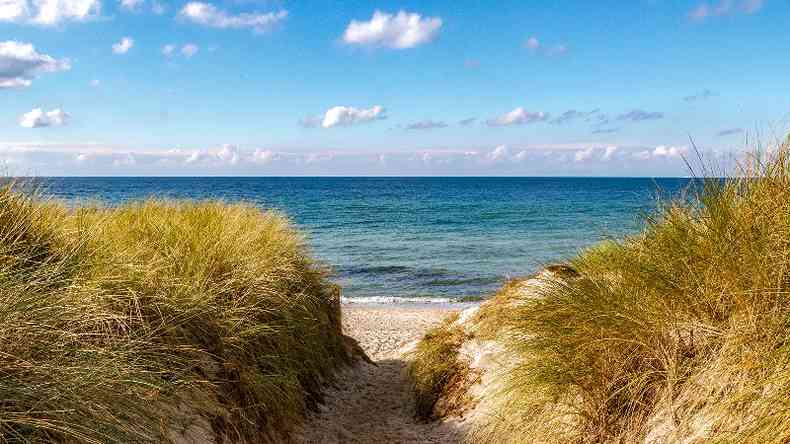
(413, 238)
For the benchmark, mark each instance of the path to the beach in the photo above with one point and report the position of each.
(374, 403)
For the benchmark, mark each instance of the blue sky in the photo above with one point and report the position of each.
(257, 87)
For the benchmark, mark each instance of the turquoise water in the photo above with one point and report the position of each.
(440, 238)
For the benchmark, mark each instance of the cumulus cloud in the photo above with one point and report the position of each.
(347, 116)
(20, 63)
(702, 95)
(123, 46)
(706, 10)
(639, 115)
(400, 31)
(209, 15)
(730, 132)
(189, 50)
(48, 12)
(38, 118)
(425, 125)
(609, 152)
(518, 116)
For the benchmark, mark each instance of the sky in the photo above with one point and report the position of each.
(451, 87)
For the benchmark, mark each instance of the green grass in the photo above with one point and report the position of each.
(688, 321)
(436, 372)
(120, 325)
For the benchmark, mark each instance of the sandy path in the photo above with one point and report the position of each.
(374, 403)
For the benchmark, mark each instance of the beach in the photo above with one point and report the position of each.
(374, 402)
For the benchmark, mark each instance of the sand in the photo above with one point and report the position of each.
(374, 403)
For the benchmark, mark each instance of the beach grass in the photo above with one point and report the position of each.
(150, 320)
(680, 333)
(687, 321)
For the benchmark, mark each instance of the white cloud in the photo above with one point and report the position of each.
(582, 155)
(131, 5)
(48, 12)
(347, 116)
(208, 15)
(263, 157)
(609, 152)
(670, 151)
(229, 154)
(37, 118)
(189, 50)
(95, 83)
(20, 63)
(518, 116)
(123, 46)
(499, 153)
(400, 31)
(125, 160)
(168, 50)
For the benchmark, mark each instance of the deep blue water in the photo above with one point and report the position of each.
(420, 237)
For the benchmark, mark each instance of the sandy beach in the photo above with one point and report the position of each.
(373, 403)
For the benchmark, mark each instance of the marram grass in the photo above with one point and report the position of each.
(678, 334)
(128, 324)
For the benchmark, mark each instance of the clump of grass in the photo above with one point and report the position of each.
(683, 328)
(437, 372)
(117, 324)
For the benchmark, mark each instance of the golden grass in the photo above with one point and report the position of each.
(437, 372)
(116, 325)
(680, 332)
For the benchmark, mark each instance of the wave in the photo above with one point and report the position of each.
(373, 300)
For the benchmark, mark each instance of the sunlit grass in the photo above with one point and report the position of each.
(117, 325)
(682, 331)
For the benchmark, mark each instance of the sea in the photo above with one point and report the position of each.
(419, 239)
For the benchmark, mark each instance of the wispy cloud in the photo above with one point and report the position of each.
(467, 122)
(425, 125)
(702, 95)
(706, 10)
(572, 115)
(20, 64)
(518, 116)
(535, 46)
(209, 15)
(399, 31)
(639, 115)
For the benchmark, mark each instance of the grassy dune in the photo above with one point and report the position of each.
(155, 319)
(678, 334)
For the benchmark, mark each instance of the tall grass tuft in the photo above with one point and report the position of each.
(132, 324)
(680, 333)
